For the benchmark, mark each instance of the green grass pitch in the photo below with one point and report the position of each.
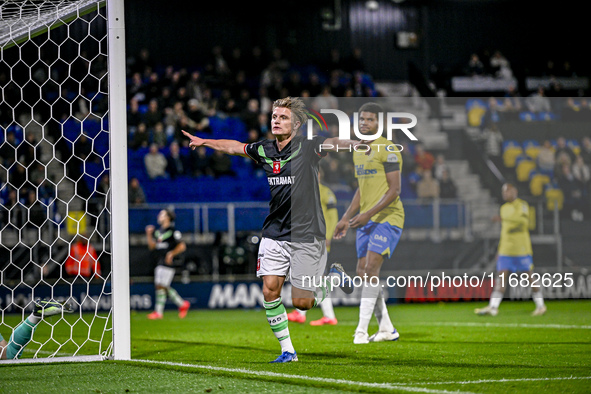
(442, 348)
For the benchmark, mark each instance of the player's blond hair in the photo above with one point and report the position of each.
(297, 107)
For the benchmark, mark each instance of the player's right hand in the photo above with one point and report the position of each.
(150, 229)
(341, 229)
(195, 141)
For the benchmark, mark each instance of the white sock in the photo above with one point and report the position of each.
(327, 309)
(495, 299)
(538, 299)
(381, 312)
(34, 319)
(369, 296)
(302, 312)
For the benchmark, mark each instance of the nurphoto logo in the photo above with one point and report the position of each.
(345, 125)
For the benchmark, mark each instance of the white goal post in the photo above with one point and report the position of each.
(63, 178)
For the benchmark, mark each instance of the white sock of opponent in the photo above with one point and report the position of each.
(327, 309)
(538, 299)
(369, 296)
(302, 312)
(381, 312)
(495, 299)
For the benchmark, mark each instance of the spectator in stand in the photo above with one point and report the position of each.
(153, 115)
(141, 137)
(221, 164)
(83, 259)
(500, 66)
(586, 150)
(424, 158)
(563, 149)
(134, 117)
(195, 86)
(538, 101)
(250, 115)
(408, 157)
(166, 99)
(427, 187)
(135, 192)
(325, 100)
(414, 177)
(546, 159)
(196, 114)
(263, 123)
(155, 163)
(136, 88)
(574, 193)
(37, 213)
(581, 172)
(493, 144)
(29, 150)
(201, 162)
(159, 136)
(513, 93)
(440, 166)
(493, 113)
(153, 86)
(447, 187)
(8, 149)
(177, 163)
(475, 66)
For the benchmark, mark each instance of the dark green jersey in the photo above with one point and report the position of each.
(166, 240)
(295, 213)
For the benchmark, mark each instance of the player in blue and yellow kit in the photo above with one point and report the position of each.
(514, 254)
(378, 215)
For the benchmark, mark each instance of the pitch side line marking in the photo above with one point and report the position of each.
(388, 386)
(502, 380)
(509, 325)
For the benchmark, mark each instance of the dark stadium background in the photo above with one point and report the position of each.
(529, 34)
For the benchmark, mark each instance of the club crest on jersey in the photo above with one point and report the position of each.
(276, 167)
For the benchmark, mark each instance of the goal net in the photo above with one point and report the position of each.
(63, 212)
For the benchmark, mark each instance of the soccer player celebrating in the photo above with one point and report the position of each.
(328, 200)
(23, 333)
(377, 213)
(166, 242)
(514, 254)
(294, 232)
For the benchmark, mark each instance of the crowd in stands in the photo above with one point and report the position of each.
(557, 170)
(229, 96)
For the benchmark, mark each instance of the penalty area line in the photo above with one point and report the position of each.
(387, 386)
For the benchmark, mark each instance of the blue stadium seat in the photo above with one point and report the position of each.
(545, 116)
(527, 116)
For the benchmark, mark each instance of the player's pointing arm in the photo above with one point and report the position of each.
(230, 147)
